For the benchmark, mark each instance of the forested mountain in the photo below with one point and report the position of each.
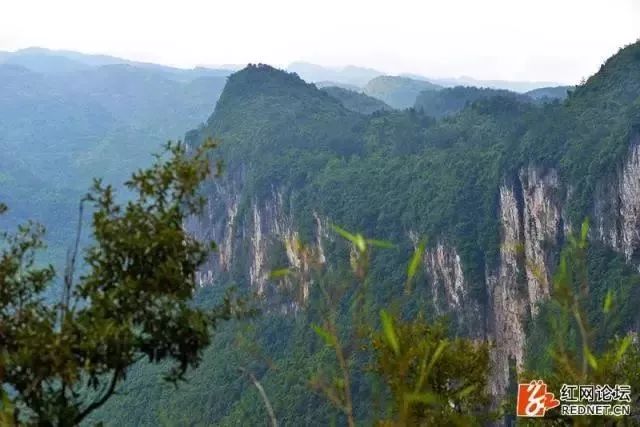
(515, 86)
(493, 179)
(58, 130)
(496, 188)
(57, 61)
(358, 77)
(398, 92)
(550, 93)
(326, 83)
(450, 101)
(356, 101)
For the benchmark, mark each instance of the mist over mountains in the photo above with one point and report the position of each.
(494, 173)
(495, 179)
(47, 60)
(357, 76)
(68, 117)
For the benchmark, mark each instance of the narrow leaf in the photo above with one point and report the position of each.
(593, 362)
(436, 355)
(624, 345)
(381, 243)
(608, 300)
(466, 391)
(361, 243)
(584, 230)
(426, 397)
(344, 233)
(279, 273)
(389, 332)
(328, 338)
(416, 260)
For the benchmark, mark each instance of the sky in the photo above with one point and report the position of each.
(535, 40)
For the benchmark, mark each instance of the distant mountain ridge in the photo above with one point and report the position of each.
(60, 129)
(398, 92)
(351, 75)
(495, 186)
(50, 60)
(554, 92)
(360, 76)
(356, 101)
(56, 61)
(512, 85)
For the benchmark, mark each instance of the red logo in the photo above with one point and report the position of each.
(534, 400)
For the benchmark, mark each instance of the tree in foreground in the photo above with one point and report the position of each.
(575, 355)
(433, 379)
(132, 301)
(427, 376)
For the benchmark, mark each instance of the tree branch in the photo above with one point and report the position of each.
(265, 398)
(71, 263)
(98, 403)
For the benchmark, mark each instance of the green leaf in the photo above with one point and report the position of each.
(436, 355)
(593, 362)
(608, 301)
(584, 230)
(361, 243)
(466, 391)
(425, 397)
(416, 260)
(344, 233)
(624, 345)
(424, 369)
(389, 331)
(381, 243)
(279, 273)
(328, 338)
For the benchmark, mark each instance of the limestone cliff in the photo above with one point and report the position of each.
(250, 232)
(532, 214)
(617, 207)
(531, 210)
(531, 218)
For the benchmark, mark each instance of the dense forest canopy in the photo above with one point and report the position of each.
(404, 162)
(395, 172)
(59, 130)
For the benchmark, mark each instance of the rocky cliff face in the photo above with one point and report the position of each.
(249, 231)
(534, 223)
(532, 215)
(530, 211)
(617, 207)
(532, 219)
(449, 289)
(533, 226)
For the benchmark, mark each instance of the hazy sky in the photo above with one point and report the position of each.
(555, 40)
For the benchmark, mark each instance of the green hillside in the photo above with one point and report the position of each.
(59, 130)
(398, 92)
(356, 101)
(384, 175)
(550, 93)
(450, 101)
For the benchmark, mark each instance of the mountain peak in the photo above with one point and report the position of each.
(398, 92)
(618, 77)
(262, 74)
(264, 81)
(263, 108)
